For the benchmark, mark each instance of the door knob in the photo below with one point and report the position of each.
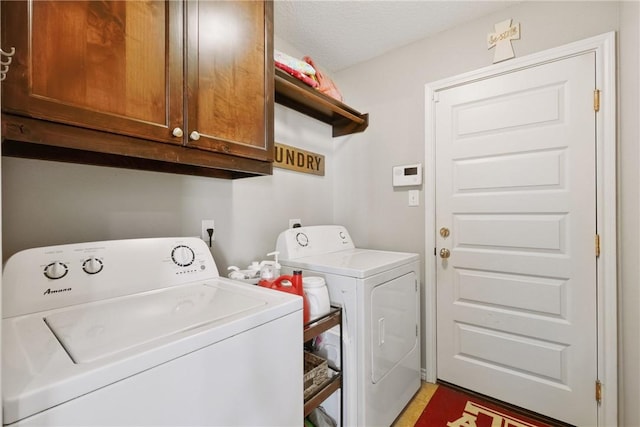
(194, 136)
(177, 132)
(444, 253)
(444, 232)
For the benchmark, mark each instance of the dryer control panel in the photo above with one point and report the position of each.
(300, 242)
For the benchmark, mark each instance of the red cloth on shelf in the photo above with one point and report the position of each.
(297, 74)
(326, 85)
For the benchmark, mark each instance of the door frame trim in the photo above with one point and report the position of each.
(604, 47)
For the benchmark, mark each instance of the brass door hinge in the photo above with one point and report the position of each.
(597, 245)
(598, 391)
(596, 100)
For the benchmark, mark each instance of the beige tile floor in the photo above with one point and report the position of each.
(414, 409)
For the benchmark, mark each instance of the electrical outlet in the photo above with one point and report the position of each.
(207, 223)
(293, 222)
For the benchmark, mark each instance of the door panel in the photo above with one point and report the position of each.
(110, 66)
(515, 292)
(511, 172)
(515, 184)
(230, 88)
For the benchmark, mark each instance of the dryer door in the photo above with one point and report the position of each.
(394, 320)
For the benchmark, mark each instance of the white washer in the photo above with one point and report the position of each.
(379, 295)
(144, 332)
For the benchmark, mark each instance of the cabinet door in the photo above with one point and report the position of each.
(230, 77)
(108, 65)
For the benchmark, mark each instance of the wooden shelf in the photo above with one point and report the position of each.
(296, 95)
(324, 323)
(332, 384)
(334, 380)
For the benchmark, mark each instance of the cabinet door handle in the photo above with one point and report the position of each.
(177, 132)
(194, 136)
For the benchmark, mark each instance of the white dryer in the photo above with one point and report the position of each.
(380, 298)
(144, 332)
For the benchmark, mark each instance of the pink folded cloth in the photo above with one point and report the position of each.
(295, 63)
(297, 74)
(325, 84)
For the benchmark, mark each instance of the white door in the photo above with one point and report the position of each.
(516, 188)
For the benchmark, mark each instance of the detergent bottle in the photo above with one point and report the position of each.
(291, 284)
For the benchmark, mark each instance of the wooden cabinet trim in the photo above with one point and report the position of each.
(80, 144)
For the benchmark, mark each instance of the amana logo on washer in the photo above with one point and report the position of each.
(55, 291)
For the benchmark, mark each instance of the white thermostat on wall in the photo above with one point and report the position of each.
(407, 175)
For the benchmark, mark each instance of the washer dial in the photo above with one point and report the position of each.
(92, 265)
(56, 270)
(183, 255)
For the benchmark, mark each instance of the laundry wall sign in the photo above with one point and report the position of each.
(292, 158)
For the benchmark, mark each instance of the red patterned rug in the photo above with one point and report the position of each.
(453, 408)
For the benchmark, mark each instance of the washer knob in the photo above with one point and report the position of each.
(92, 265)
(183, 255)
(56, 270)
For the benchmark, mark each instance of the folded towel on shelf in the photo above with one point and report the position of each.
(298, 75)
(325, 84)
(294, 63)
(306, 71)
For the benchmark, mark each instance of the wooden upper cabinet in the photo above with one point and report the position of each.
(113, 66)
(193, 75)
(230, 80)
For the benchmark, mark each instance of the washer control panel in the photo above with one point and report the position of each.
(57, 276)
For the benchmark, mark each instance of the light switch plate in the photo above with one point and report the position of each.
(414, 198)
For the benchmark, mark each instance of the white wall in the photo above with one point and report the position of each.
(629, 212)
(391, 89)
(48, 203)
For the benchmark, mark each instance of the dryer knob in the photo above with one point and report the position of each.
(302, 239)
(56, 270)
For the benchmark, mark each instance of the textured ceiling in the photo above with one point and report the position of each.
(339, 34)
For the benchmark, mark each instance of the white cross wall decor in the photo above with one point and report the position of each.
(501, 40)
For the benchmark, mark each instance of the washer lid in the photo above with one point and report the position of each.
(92, 333)
(113, 339)
(358, 263)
